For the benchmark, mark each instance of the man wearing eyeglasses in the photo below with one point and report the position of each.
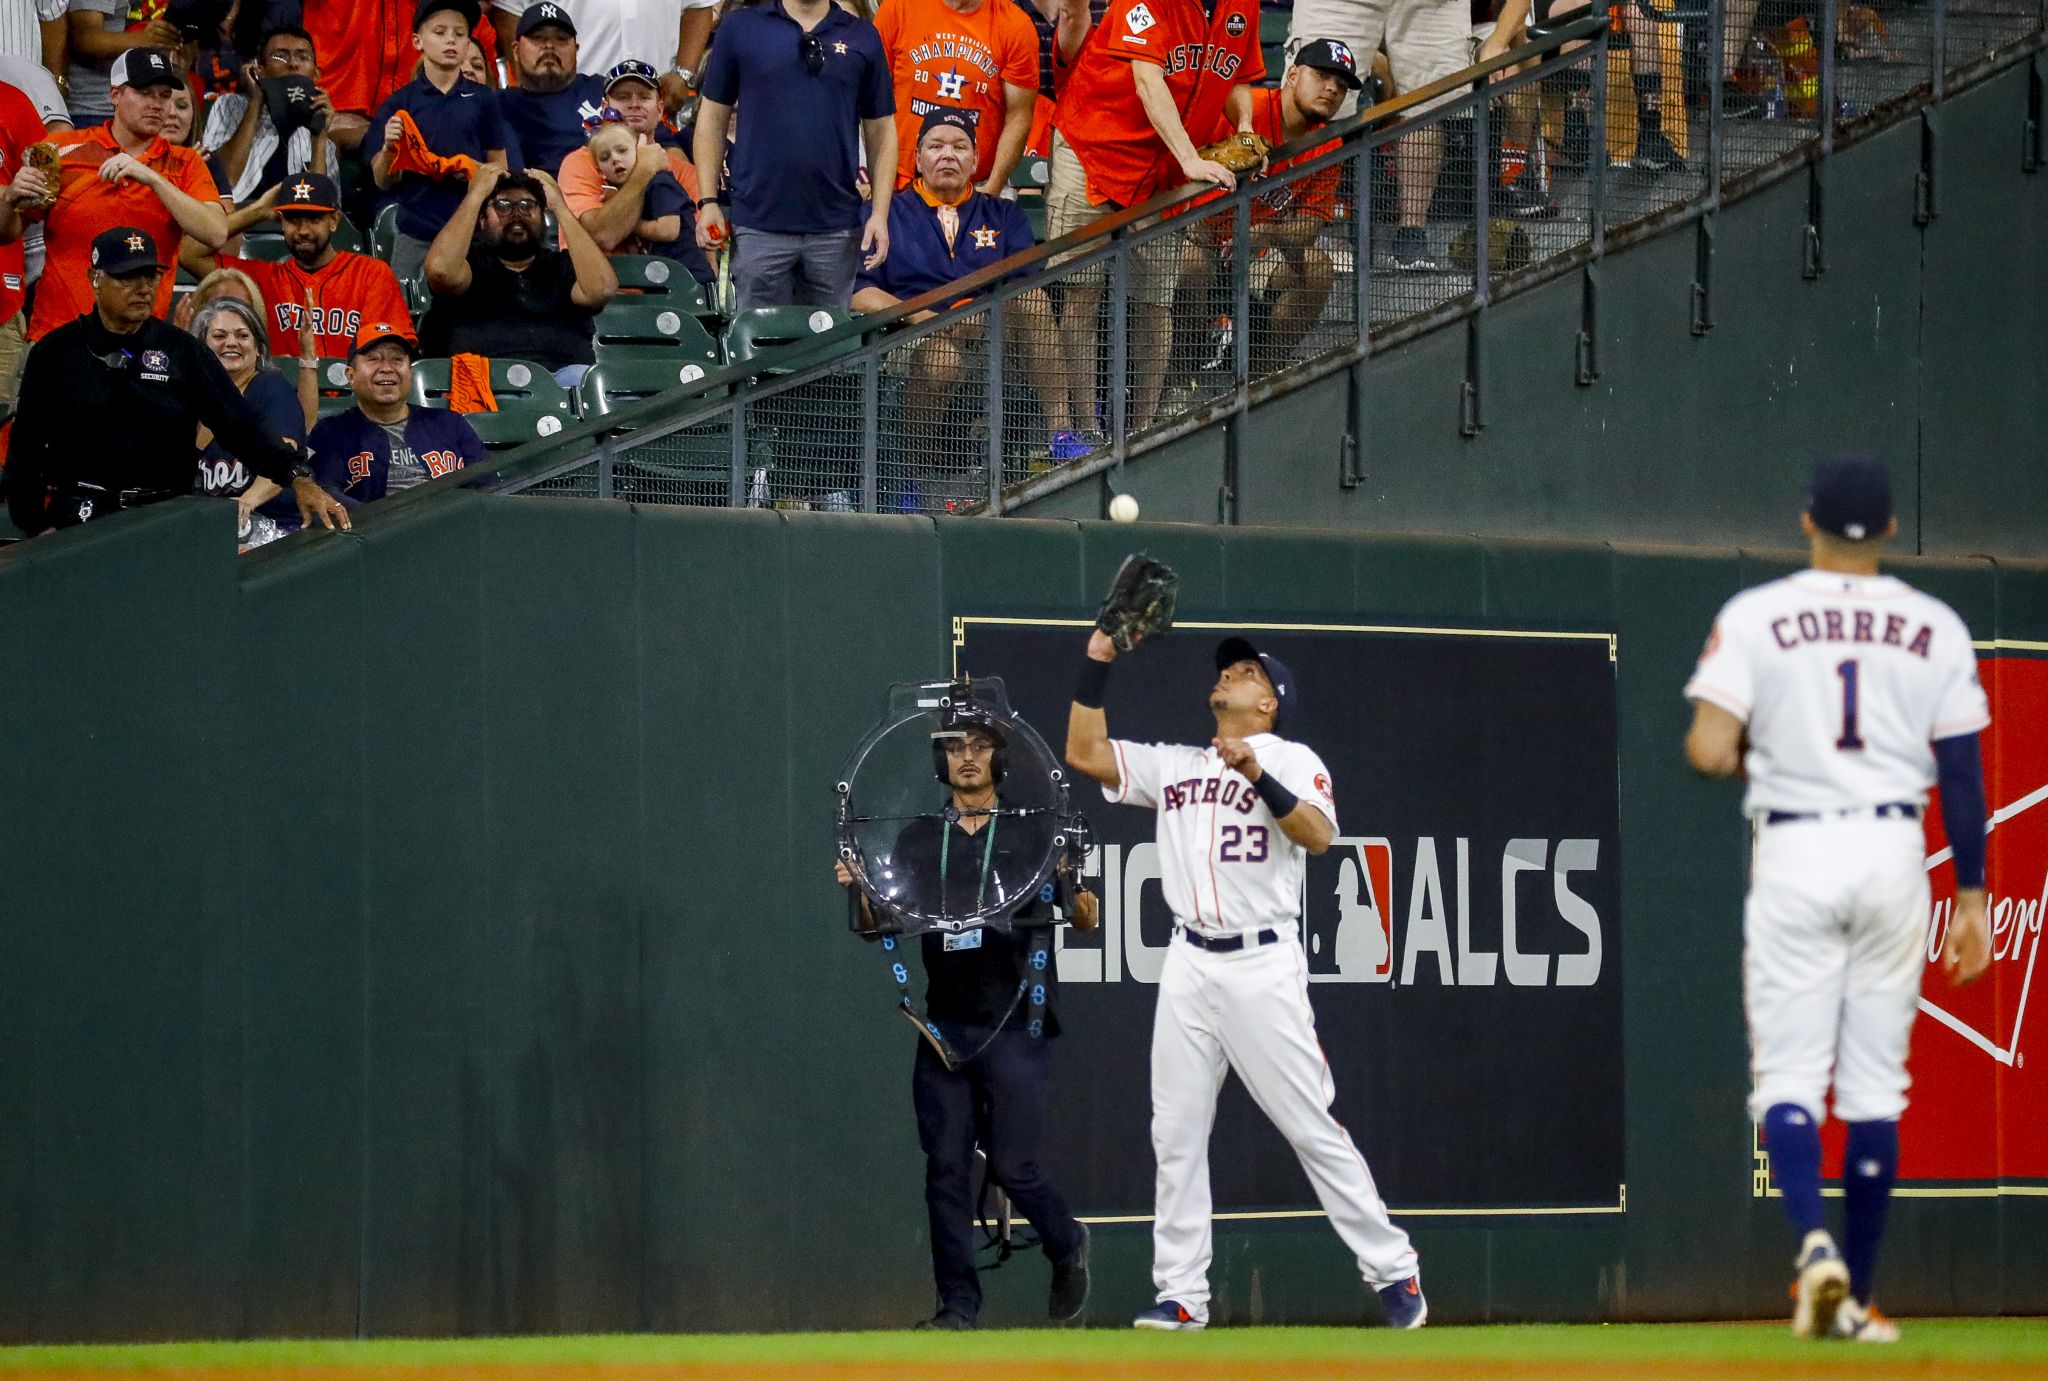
(511, 296)
(813, 84)
(549, 105)
(143, 388)
(257, 150)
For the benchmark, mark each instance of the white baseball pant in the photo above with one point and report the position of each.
(1834, 944)
(1249, 1011)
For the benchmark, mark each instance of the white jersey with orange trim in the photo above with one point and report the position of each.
(1844, 681)
(1226, 866)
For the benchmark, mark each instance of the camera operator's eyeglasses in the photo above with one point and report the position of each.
(512, 206)
(813, 49)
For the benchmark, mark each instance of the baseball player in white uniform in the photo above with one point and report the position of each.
(1856, 693)
(1236, 819)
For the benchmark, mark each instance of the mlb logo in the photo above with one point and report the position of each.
(1347, 914)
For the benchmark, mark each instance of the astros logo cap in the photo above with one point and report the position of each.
(124, 250)
(1231, 651)
(310, 192)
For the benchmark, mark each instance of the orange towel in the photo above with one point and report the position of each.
(469, 384)
(411, 155)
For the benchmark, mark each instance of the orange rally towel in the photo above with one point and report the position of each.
(411, 155)
(469, 384)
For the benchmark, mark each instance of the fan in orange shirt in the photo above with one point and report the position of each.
(1292, 277)
(339, 289)
(980, 56)
(121, 173)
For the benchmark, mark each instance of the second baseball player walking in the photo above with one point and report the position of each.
(1236, 822)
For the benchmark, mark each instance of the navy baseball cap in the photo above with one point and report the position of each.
(144, 67)
(1850, 496)
(309, 192)
(1231, 651)
(545, 12)
(470, 11)
(124, 250)
(942, 115)
(632, 70)
(1328, 55)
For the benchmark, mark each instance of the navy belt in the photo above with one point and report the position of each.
(1228, 944)
(1903, 810)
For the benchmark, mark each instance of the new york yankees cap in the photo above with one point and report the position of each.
(1231, 651)
(545, 12)
(309, 192)
(124, 250)
(1328, 55)
(1850, 496)
(144, 67)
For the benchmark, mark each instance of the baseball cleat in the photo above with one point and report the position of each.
(1169, 1315)
(1404, 1304)
(1858, 1323)
(946, 1321)
(1823, 1285)
(1069, 1284)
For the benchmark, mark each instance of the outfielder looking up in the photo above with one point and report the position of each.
(1843, 695)
(1236, 821)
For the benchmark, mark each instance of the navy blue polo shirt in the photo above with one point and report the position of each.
(466, 118)
(991, 230)
(797, 155)
(549, 127)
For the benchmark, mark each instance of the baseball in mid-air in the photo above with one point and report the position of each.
(1123, 509)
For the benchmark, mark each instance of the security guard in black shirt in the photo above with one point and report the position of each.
(998, 1094)
(111, 405)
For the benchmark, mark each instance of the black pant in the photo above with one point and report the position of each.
(1011, 1079)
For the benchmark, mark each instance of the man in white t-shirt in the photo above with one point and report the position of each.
(1237, 820)
(1843, 695)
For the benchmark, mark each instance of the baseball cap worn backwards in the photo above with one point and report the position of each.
(124, 250)
(1231, 651)
(546, 12)
(144, 67)
(1850, 496)
(1328, 55)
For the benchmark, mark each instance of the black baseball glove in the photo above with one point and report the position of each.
(1140, 602)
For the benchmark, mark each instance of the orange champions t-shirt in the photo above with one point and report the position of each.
(1314, 195)
(86, 206)
(941, 57)
(351, 290)
(1205, 59)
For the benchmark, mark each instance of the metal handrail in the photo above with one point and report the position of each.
(734, 391)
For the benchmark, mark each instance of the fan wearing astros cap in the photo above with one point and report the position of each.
(383, 444)
(334, 290)
(941, 230)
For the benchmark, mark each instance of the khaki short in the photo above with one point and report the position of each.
(1154, 265)
(1426, 40)
(13, 347)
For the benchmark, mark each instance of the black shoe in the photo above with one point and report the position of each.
(1655, 153)
(1410, 251)
(1522, 204)
(1069, 1283)
(947, 1321)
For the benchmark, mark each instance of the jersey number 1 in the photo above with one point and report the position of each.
(1850, 741)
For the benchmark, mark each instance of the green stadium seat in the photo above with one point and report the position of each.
(644, 276)
(347, 237)
(268, 249)
(333, 383)
(654, 328)
(515, 425)
(1273, 28)
(384, 233)
(615, 383)
(1032, 173)
(776, 334)
(517, 383)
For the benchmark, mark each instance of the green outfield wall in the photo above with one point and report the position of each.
(428, 930)
(1919, 343)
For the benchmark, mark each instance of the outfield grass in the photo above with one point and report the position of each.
(1948, 1349)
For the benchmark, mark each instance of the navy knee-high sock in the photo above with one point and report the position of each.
(1868, 1169)
(1792, 1136)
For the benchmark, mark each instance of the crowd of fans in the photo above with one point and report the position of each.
(809, 151)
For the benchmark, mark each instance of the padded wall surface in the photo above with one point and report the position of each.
(430, 930)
